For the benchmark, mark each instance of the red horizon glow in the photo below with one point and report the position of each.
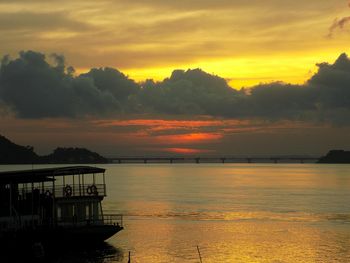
(186, 150)
(188, 138)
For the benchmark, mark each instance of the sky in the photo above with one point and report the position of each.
(159, 77)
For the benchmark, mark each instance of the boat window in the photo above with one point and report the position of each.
(87, 211)
(59, 213)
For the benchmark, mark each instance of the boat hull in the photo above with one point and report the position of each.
(62, 236)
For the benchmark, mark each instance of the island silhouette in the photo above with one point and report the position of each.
(11, 153)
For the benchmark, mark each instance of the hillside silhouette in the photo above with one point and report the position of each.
(11, 153)
(336, 156)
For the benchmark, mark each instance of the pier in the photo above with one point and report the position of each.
(217, 159)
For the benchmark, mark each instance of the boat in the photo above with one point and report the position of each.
(54, 206)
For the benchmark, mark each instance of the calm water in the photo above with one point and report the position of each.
(234, 212)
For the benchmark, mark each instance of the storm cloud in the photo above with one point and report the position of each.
(324, 97)
(35, 88)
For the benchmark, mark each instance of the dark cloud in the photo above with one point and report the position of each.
(113, 81)
(278, 100)
(331, 84)
(34, 88)
(188, 92)
(325, 97)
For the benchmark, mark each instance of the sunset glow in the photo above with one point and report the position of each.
(189, 138)
(185, 151)
(276, 41)
(158, 76)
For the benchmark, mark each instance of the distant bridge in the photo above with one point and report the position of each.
(251, 159)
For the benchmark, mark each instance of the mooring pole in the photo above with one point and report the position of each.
(199, 254)
(10, 188)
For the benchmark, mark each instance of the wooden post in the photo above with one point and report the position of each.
(32, 204)
(10, 188)
(53, 200)
(83, 184)
(79, 184)
(199, 254)
(104, 184)
(73, 185)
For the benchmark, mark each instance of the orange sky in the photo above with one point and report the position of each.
(204, 136)
(245, 42)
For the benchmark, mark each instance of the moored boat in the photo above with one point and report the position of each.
(54, 206)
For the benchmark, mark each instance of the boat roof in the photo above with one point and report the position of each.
(45, 174)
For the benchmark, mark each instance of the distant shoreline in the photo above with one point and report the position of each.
(11, 153)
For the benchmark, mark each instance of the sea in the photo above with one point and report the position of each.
(234, 213)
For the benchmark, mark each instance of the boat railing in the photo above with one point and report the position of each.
(68, 190)
(115, 219)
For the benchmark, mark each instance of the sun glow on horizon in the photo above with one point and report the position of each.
(244, 71)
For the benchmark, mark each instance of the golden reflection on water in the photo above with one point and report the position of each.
(234, 213)
(164, 241)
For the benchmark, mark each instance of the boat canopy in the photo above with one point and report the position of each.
(45, 174)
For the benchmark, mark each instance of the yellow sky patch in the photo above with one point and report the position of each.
(245, 42)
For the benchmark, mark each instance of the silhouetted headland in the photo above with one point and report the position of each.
(11, 153)
(336, 156)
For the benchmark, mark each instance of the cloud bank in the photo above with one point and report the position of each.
(33, 88)
(36, 86)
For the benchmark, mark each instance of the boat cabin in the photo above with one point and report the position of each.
(56, 198)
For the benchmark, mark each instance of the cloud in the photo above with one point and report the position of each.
(324, 98)
(279, 100)
(34, 88)
(139, 35)
(188, 92)
(338, 23)
(112, 81)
